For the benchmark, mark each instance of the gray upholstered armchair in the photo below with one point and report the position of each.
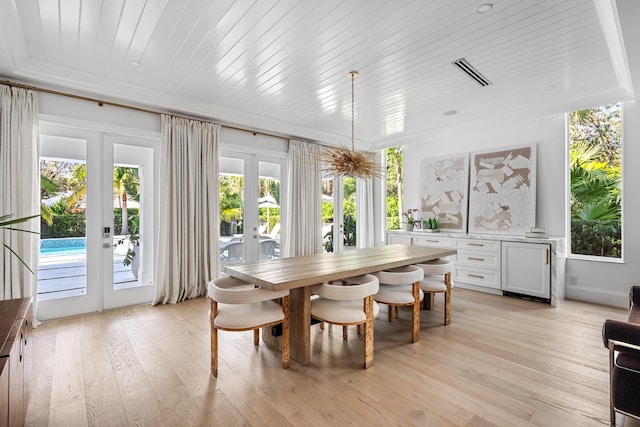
(623, 341)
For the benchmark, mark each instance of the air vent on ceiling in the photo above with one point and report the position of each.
(464, 66)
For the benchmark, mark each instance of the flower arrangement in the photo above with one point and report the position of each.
(409, 214)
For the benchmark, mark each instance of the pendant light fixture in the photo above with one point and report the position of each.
(344, 162)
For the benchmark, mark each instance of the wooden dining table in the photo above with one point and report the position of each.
(298, 273)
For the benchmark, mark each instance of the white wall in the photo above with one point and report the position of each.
(595, 281)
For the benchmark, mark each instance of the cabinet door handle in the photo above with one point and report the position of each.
(477, 276)
(433, 241)
(475, 259)
(547, 257)
(475, 244)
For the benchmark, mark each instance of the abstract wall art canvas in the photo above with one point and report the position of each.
(502, 197)
(444, 184)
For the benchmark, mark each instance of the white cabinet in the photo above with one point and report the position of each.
(509, 265)
(477, 263)
(403, 239)
(526, 269)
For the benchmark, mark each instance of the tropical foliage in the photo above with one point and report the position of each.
(8, 223)
(231, 191)
(126, 185)
(596, 178)
(395, 189)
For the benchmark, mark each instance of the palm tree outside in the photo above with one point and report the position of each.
(596, 181)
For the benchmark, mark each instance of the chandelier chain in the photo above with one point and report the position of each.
(353, 110)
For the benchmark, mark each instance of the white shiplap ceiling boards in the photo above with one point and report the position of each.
(282, 66)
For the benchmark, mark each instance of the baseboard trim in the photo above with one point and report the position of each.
(598, 296)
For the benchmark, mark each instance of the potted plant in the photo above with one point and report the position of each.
(6, 222)
(409, 214)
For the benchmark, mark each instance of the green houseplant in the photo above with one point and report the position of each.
(7, 223)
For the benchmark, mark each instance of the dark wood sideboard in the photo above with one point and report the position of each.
(15, 360)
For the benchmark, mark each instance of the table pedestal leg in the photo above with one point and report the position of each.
(300, 324)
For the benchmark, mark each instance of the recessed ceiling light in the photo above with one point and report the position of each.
(484, 8)
(550, 87)
(285, 106)
(450, 113)
(134, 63)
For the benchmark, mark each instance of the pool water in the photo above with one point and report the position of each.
(63, 246)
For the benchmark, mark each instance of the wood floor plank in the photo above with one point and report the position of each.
(104, 405)
(67, 384)
(501, 362)
(69, 414)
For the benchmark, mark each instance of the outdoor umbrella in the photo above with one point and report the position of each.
(268, 202)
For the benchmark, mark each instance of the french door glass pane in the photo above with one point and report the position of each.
(62, 266)
(231, 181)
(349, 211)
(269, 210)
(327, 214)
(126, 204)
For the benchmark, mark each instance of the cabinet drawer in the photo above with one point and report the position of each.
(479, 277)
(432, 241)
(487, 260)
(478, 245)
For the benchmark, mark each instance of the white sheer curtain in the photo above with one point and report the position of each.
(304, 204)
(19, 190)
(188, 244)
(364, 213)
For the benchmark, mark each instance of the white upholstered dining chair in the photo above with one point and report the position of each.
(401, 287)
(437, 279)
(349, 302)
(240, 306)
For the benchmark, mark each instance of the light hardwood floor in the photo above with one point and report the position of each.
(502, 361)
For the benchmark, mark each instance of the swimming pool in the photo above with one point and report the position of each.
(63, 246)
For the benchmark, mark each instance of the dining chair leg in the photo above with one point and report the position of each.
(390, 313)
(214, 351)
(396, 311)
(415, 316)
(345, 332)
(359, 329)
(368, 332)
(256, 336)
(322, 325)
(213, 312)
(447, 299)
(427, 303)
(285, 332)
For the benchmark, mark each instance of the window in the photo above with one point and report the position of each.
(595, 162)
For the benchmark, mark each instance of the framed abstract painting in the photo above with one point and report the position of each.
(444, 185)
(502, 198)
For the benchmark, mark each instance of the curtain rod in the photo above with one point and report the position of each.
(102, 103)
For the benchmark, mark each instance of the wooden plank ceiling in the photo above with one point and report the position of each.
(282, 66)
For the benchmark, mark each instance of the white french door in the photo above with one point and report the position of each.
(341, 193)
(81, 269)
(251, 206)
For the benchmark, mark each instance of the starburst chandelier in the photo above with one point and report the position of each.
(344, 162)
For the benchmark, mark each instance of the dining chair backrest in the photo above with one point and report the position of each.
(436, 267)
(401, 276)
(352, 288)
(230, 290)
